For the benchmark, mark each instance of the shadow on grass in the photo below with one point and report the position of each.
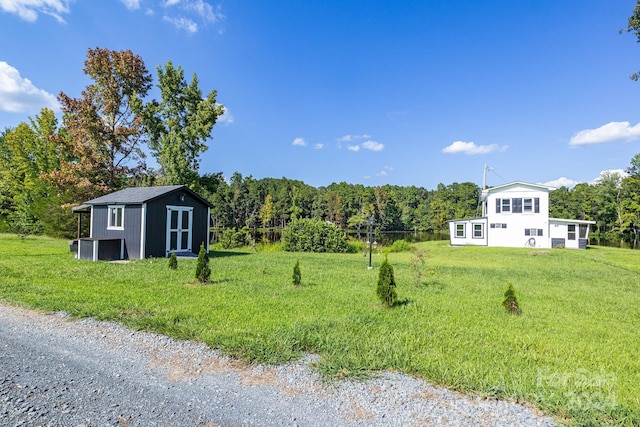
(225, 254)
(402, 302)
(305, 285)
(198, 284)
(434, 284)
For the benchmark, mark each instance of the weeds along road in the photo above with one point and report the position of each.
(57, 371)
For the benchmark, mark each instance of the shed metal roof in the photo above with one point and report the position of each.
(139, 195)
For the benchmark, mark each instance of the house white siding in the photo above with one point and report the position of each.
(471, 231)
(517, 215)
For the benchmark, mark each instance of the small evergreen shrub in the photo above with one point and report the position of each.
(203, 272)
(173, 261)
(510, 302)
(297, 276)
(386, 288)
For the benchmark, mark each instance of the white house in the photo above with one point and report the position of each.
(517, 215)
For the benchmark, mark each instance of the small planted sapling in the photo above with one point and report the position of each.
(386, 288)
(297, 276)
(173, 261)
(203, 272)
(510, 302)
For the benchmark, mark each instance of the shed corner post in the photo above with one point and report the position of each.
(208, 229)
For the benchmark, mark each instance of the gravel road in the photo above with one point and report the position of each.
(57, 371)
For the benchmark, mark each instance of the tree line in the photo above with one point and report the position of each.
(100, 146)
(613, 202)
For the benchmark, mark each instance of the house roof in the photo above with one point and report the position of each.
(139, 195)
(498, 188)
(570, 221)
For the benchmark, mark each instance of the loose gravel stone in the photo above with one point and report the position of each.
(55, 371)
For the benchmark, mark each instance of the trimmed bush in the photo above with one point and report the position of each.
(232, 239)
(203, 272)
(314, 235)
(173, 261)
(386, 288)
(297, 276)
(510, 302)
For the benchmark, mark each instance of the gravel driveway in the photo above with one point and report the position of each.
(57, 371)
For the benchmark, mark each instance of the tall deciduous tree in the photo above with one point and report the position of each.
(27, 154)
(267, 211)
(633, 26)
(630, 205)
(106, 135)
(179, 124)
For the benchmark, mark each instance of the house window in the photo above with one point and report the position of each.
(116, 218)
(506, 205)
(516, 205)
(460, 231)
(583, 231)
(498, 225)
(527, 205)
(478, 231)
(572, 232)
(533, 232)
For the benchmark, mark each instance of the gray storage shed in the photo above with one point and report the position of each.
(143, 222)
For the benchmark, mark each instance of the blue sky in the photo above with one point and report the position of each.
(370, 92)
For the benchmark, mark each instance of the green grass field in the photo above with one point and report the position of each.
(574, 351)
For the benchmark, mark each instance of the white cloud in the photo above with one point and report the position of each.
(189, 11)
(561, 182)
(226, 117)
(385, 171)
(610, 132)
(182, 23)
(131, 4)
(367, 145)
(615, 174)
(29, 9)
(19, 95)
(205, 11)
(299, 142)
(318, 146)
(471, 148)
(349, 138)
(372, 145)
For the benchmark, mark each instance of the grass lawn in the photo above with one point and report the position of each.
(574, 351)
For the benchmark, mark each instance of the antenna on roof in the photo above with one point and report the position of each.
(479, 210)
(484, 177)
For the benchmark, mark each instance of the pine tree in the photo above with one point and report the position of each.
(203, 272)
(386, 288)
(297, 277)
(173, 261)
(510, 302)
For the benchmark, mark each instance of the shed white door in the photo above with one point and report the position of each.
(179, 225)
